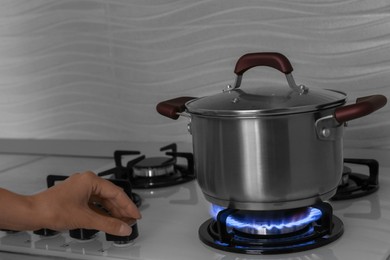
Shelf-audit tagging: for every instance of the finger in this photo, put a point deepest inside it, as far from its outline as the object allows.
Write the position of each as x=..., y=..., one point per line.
x=113, y=196
x=104, y=190
x=109, y=225
x=109, y=207
x=101, y=211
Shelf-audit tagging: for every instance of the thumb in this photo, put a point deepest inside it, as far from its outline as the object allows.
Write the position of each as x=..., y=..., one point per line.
x=110, y=225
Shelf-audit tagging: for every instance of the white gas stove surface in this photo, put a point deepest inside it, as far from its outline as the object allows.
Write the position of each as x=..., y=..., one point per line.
x=171, y=218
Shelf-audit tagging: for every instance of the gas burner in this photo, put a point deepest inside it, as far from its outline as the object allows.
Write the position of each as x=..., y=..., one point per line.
x=154, y=167
x=153, y=172
x=271, y=232
x=269, y=222
x=355, y=185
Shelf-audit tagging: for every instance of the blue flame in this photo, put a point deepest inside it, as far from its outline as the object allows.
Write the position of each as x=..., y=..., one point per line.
x=259, y=223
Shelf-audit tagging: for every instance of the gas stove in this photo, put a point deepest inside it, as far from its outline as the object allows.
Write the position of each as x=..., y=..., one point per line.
x=178, y=223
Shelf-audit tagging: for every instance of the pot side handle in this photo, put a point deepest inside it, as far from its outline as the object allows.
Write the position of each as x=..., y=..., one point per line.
x=270, y=59
x=172, y=107
x=362, y=107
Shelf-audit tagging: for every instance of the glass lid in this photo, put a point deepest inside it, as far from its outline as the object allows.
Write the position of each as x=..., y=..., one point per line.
x=263, y=101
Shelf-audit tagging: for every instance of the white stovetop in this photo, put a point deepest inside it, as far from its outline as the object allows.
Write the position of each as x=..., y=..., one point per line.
x=172, y=216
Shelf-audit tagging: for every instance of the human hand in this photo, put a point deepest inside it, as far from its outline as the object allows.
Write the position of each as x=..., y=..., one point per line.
x=72, y=203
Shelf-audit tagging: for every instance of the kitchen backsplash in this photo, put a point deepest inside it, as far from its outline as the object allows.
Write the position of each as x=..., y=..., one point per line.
x=95, y=69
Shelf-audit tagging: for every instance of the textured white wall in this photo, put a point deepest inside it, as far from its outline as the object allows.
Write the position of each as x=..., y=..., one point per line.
x=95, y=69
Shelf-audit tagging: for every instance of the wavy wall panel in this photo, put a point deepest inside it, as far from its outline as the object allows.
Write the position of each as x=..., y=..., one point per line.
x=95, y=69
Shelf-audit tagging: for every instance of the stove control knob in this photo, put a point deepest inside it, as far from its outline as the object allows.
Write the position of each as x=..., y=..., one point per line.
x=121, y=240
x=45, y=232
x=82, y=233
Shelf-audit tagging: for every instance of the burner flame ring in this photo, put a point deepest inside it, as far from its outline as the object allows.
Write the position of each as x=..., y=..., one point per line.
x=154, y=167
x=269, y=222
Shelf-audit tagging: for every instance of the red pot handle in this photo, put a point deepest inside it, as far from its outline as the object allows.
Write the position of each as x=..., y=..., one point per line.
x=362, y=107
x=172, y=107
x=271, y=59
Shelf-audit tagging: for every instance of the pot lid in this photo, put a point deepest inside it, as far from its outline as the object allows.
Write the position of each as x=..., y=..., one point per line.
x=264, y=101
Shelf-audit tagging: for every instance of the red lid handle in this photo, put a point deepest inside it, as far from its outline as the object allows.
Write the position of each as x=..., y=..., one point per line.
x=362, y=107
x=270, y=59
x=170, y=108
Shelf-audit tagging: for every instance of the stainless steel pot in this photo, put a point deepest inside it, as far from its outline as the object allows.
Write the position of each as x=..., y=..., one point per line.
x=268, y=148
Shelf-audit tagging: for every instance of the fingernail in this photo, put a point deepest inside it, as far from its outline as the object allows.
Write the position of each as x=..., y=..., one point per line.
x=125, y=230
